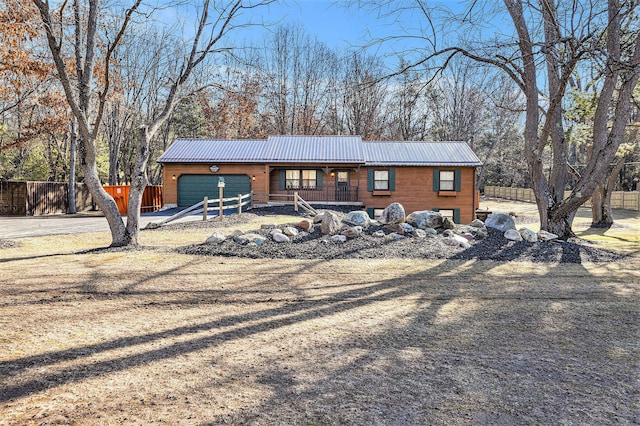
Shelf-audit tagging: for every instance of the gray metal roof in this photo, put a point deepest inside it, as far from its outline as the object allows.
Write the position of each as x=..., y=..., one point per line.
x=419, y=154
x=320, y=149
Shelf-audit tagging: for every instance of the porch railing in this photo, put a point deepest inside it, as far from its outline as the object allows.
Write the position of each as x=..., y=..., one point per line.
x=330, y=194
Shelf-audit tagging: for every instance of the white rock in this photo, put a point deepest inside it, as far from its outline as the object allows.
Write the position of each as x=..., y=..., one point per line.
x=290, y=231
x=379, y=234
x=358, y=218
x=352, y=232
x=546, y=236
x=500, y=221
x=338, y=238
x=393, y=213
x=528, y=235
x=275, y=231
x=425, y=219
x=419, y=233
x=279, y=237
x=216, y=237
x=513, y=235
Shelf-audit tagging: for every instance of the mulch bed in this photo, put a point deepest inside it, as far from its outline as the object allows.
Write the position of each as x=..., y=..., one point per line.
x=318, y=246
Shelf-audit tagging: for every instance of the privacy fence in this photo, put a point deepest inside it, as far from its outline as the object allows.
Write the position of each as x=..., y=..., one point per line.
x=19, y=198
x=619, y=199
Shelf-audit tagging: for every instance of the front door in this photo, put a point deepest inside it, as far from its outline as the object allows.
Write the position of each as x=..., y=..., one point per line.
x=342, y=185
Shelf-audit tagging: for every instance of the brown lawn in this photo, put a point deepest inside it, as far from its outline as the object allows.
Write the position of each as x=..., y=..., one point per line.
x=149, y=336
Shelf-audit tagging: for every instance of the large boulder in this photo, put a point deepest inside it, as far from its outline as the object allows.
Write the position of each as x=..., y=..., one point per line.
x=306, y=224
x=279, y=237
x=290, y=231
x=448, y=223
x=425, y=219
x=352, y=232
x=500, y=221
x=330, y=224
x=245, y=239
x=546, y=236
x=393, y=213
x=528, y=235
x=513, y=235
x=216, y=238
x=358, y=218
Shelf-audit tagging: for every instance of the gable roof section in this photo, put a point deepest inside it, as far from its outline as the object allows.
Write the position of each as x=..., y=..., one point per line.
x=320, y=150
x=419, y=154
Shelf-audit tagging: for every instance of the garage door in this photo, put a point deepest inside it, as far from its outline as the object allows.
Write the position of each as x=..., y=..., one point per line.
x=193, y=188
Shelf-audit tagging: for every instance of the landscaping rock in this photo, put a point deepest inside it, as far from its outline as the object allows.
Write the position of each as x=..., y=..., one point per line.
x=279, y=237
x=379, y=234
x=395, y=236
x=235, y=233
x=395, y=228
x=500, y=221
x=430, y=231
x=406, y=228
x=513, y=235
x=306, y=224
x=268, y=225
x=352, y=232
x=216, y=237
x=528, y=235
x=456, y=241
x=546, y=236
x=419, y=233
x=358, y=218
x=275, y=231
x=477, y=223
x=393, y=213
x=330, y=224
x=290, y=231
x=338, y=238
x=425, y=219
x=244, y=239
x=448, y=223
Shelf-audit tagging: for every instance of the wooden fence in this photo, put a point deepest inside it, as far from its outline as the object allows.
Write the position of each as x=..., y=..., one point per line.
x=619, y=199
x=151, y=198
x=19, y=198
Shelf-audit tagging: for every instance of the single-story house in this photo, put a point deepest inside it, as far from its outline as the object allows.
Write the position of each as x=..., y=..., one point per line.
x=328, y=170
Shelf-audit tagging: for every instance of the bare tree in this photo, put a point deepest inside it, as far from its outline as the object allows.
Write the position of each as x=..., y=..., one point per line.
x=572, y=33
x=87, y=97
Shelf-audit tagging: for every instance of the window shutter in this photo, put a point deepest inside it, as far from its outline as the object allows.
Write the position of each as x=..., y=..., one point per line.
x=456, y=215
x=435, y=209
x=457, y=178
x=392, y=179
x=436, y=180
x=282, y=180
x=370, y=212
x=370, y=180
x=319, y=178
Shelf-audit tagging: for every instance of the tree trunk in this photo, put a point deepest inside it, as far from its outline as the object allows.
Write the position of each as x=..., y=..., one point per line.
x=602, y=213
x=72, y=169
x=138, y=184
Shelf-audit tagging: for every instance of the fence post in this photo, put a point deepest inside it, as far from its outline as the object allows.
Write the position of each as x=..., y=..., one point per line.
x=295, y=201
x=239, y=204
x=205, y=205
x=221, y=202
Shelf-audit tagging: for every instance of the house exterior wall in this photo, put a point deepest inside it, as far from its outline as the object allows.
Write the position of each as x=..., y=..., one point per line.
x=413, y=185
x=171, y=170
x=414, y=190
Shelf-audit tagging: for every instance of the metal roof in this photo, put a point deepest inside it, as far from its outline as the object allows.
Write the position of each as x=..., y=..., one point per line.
x=320, y=149
x=419, y=154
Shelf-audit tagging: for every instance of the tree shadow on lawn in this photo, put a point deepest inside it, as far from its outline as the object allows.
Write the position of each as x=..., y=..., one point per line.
x=433, y=289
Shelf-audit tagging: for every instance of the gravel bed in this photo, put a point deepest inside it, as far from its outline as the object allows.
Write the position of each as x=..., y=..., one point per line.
x=4, y=244
x=318, y=246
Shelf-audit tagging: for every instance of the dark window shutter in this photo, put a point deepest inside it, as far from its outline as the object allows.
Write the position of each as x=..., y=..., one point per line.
x=456, y=215
x=392, y=179
x=435, y=209
x=370, y=180
x=370, y=212
x=436, y=180
x=457, y=178
x=282, y=180
x=319, y=178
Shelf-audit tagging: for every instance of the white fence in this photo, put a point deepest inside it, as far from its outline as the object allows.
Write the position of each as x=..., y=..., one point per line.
x=619, y=199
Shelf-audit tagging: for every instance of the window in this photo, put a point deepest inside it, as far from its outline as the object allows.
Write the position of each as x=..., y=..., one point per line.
x=293, y=179
x=301, y=179
x=309, y=179
x=381, y=180
x=377, y=213
x=447, y=180
x=448, y=213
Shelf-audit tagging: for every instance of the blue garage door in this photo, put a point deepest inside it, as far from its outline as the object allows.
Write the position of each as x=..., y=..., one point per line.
x=193, y=188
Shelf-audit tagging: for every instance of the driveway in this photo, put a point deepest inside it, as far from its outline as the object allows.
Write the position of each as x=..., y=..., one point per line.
x=35, y=226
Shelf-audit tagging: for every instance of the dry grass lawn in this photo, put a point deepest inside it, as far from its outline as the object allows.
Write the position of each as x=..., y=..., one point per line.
x=149, y=336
